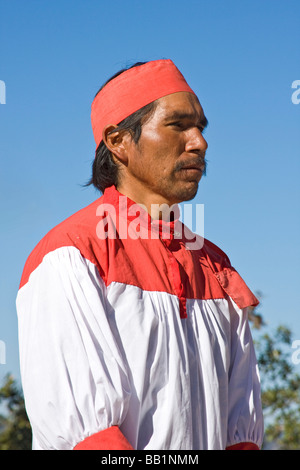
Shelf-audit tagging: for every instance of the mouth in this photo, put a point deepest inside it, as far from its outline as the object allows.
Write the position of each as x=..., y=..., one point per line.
x=195, y=166
x=191, y=174
x=193, y=169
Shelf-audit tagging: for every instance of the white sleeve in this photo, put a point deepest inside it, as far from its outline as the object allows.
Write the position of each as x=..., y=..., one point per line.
x=245, y=418
x=74, y=379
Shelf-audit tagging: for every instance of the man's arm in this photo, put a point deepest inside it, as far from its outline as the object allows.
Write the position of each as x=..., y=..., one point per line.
x=74, y=379
x=245, y=418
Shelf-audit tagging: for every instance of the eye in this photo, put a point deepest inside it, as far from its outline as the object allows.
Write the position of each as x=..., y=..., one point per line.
x=177, y=124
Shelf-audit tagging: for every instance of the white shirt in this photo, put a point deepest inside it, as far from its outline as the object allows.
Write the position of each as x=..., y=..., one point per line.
x=143, y=334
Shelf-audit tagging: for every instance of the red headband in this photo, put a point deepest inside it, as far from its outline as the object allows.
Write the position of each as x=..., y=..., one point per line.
x=133, y=89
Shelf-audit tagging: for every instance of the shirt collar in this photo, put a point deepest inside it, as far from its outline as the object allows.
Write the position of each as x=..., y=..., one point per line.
x=129, y=209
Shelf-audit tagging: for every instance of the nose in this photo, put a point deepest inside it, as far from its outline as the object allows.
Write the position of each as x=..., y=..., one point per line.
x=195, y=141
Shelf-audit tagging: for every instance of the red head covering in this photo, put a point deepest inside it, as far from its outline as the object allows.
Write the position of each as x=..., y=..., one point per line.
x=133, y=89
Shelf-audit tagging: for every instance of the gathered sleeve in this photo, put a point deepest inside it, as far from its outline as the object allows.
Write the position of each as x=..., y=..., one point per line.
x=245, y=418
x=74, y=377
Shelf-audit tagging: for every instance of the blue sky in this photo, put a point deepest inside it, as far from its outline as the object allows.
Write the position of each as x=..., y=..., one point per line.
x=240, y=57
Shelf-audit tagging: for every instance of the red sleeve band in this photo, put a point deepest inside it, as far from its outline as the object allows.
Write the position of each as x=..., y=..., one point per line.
x=243, y=446
x=108, y=439
x=113, y=439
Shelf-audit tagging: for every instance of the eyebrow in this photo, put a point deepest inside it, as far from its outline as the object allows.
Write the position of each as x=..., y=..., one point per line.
x=178, y=115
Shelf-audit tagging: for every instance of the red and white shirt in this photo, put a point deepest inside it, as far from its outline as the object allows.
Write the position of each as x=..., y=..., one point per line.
x=135, y=342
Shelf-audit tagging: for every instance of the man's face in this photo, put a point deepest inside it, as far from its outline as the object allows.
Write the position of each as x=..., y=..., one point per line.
x=167, y=163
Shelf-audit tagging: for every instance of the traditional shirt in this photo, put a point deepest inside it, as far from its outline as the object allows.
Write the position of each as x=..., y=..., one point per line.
x=136, y=341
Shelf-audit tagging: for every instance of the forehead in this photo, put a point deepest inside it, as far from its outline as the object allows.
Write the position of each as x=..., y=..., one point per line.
x=179, y=103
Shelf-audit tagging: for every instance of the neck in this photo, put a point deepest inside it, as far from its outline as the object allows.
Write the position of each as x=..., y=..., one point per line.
x=157, y=206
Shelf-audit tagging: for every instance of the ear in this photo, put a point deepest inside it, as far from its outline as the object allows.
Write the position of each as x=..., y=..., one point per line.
x=117, y=142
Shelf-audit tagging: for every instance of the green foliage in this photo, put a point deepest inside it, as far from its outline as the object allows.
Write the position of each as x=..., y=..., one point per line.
x=280, y=385
x=15, y=430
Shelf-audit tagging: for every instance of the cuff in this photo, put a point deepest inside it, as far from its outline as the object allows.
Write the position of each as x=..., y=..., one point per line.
x=109, y=439
x=243, y=446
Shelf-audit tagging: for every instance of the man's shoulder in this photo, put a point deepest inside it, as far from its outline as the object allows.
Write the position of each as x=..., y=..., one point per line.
x=216, y=254
x=75, y=231
x=227, y=276
x=204, y=248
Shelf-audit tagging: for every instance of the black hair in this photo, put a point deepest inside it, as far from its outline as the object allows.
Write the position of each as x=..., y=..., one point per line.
x=105, y=171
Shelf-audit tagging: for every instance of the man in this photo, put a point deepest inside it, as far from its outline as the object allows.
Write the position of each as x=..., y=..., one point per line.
x=129, y=337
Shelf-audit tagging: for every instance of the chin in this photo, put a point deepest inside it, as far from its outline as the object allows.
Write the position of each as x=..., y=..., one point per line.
x=187, y=193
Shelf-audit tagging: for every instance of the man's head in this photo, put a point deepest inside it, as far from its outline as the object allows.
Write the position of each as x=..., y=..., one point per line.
x=156, y=154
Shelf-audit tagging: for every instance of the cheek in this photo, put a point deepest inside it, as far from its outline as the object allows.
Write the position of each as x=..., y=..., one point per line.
x=158, y=155
x=163, y=165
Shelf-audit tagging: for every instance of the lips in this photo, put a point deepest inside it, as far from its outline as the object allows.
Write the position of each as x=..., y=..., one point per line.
x=199, y=166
